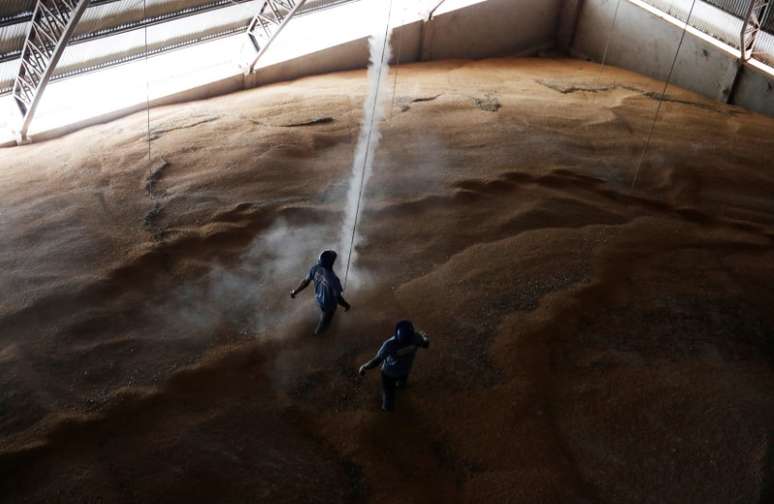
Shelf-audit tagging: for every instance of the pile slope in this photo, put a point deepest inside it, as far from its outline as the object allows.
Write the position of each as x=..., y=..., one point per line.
x=600, y=333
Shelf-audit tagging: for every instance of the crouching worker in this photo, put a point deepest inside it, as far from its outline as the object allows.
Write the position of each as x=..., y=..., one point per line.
x=396, y=357
x=327, y=289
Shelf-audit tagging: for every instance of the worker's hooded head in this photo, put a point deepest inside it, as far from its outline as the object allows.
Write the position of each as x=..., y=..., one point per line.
x=327, y=258
x=404, y=332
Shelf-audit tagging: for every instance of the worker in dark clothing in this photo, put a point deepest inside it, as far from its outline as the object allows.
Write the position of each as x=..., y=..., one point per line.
x=396, y=357
x=327, y=289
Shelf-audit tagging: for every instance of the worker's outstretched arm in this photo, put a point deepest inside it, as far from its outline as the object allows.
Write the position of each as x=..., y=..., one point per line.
x=370, y=365
x=303, y=285
x=380, y=355
x=424, y=341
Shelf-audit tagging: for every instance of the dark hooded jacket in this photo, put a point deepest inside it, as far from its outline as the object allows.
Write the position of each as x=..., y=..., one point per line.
x=396, y=354
x=327, y=286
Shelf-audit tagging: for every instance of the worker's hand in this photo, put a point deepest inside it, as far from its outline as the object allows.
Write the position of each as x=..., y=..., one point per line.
x=293, y=294
x=362, y=370
x=346, y=308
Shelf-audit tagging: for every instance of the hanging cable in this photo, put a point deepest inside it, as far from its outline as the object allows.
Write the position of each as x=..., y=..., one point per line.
x=397, y=66
x=662, y=97
x=605, y=52
x=368, y=146
x=610, y=33
x=603, y=63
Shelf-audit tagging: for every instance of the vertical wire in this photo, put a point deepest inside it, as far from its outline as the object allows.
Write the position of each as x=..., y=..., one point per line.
x=367, y=147
x=147, y=86
x=662, y=97
x=610, y=33
x=605, y=52
x=397, y=69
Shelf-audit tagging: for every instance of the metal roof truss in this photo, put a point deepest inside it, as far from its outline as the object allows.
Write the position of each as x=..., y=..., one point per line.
x=752, y=26
x=52, y=25
x=271, y=18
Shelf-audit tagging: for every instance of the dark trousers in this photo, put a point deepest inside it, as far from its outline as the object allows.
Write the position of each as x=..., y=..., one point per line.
x=389, y=385
x=326, y=317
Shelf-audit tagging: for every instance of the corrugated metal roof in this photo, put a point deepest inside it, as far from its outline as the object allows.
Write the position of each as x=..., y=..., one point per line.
x=123, y=14
x=10, y=9
x=113, y=31
x=768, y=18
x=736, y=7
x=12, y=39
x=128, y=45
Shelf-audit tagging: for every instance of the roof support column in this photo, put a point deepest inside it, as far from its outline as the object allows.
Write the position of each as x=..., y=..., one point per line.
x=52, y=25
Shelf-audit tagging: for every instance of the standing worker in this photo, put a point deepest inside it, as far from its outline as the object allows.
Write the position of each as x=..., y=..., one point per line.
x=327, y=289
x=396, y=357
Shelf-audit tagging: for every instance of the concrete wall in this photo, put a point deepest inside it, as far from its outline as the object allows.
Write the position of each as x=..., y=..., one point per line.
x=647, y=43
x=755, y=91
x=490, y=28
x=348, y=56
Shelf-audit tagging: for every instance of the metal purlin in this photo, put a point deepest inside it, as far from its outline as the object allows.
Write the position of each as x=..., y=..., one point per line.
x=611, y=32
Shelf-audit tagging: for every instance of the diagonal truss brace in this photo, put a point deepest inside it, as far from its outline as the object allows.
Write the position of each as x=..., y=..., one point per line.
x=272, y=17
x=52, y=24
x=752, y=26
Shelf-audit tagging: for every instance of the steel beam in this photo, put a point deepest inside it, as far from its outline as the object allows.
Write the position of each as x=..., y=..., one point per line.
x=52, y=25
x=751, y=27
x=268, y=22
